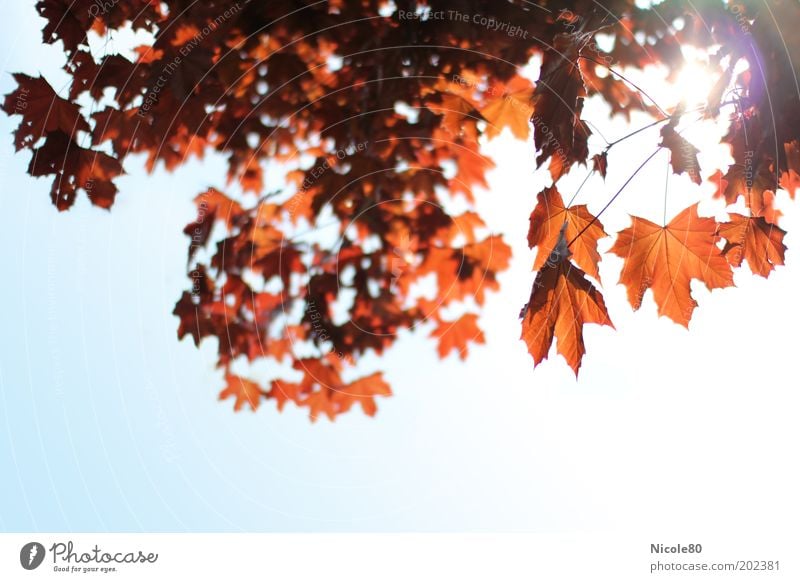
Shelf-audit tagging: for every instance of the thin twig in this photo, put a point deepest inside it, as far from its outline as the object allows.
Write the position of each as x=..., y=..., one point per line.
x=624, y=78
x=614, y=197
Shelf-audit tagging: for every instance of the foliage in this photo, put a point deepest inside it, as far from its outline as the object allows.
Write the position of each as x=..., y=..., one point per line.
x=377, y=112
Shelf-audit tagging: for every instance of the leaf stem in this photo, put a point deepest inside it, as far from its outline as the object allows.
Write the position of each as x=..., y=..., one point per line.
x=657, y=121
x=614, y=197
x=586, y=179
x=666, y=189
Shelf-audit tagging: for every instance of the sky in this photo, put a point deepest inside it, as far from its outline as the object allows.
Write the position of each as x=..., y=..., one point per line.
x=109, y=423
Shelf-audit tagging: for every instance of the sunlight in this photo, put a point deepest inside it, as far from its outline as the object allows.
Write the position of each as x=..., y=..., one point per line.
x=694, y=84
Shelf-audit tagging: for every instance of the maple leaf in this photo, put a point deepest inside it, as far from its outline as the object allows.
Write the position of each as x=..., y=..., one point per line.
x=284, y=392
x=465, y=225
x=455, y=335
x=562, y=160
x=756, y=185
x=558, y=98
x=562, y=302
x=363, y=392
x=666, y=259
x=455, y=111
x=320, y=403
x=600, y=164
x=67, y=20
x=546, y=221
x=75, y=168
x=753, y=239
x=790, y=179
x=683, y=155
x=42, y=110
x=245, y=391
x=509, y=106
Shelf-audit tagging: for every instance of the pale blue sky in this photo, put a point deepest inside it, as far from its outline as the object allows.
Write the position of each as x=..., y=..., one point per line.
x=107, y=422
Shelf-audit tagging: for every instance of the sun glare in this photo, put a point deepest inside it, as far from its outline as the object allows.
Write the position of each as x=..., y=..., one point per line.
x=694, y=84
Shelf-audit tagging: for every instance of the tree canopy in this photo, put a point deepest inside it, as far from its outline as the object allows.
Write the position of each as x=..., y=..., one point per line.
x=377, y=112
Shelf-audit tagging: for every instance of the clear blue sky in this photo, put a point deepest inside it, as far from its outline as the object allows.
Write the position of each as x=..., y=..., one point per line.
x=107, y=422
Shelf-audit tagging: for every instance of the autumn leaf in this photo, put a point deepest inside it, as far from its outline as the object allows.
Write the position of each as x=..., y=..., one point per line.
x=465, y=225
x=456, y=335
x=756, y=185
x=320, y=403
x=562, y=160
x=42, y=110
x=245, y=391
x=562, y=302
x=667, y=258
x=509, y=106
x=600, y=164
x=558, y=98
x=363, y=392
x=546, y=221
x=283, y=392
x=753, y=239
x=454, y=110
x=75, y=168
x=683, y=155
x=790, y=179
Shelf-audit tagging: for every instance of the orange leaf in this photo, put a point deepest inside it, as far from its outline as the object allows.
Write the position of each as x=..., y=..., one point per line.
x=666, y=259
x=562, y=302
x=454, y=109
x=363, y=392
x=790, y=179
x=245, y=392
x=511, y=108
x=683, y=155
x=320, y=403
x=757, y=187
x=455, y=335
x=546, y=222
x=753, y=239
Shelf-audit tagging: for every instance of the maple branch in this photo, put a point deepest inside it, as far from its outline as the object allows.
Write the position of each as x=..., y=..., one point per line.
x=624, y=78
x=637, y=131
x=666, y=190
x=614, y=197
x=661, y=120
x=586, y=179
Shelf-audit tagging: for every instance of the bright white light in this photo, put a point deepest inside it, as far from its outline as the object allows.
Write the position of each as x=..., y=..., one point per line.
x=694, y=84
